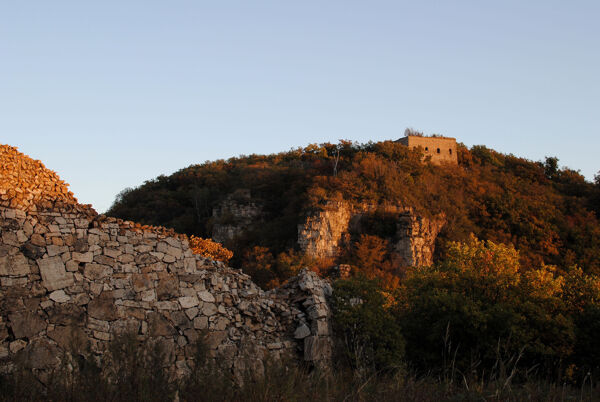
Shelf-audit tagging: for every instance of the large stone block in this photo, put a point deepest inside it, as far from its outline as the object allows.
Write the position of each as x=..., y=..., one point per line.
x=26, y=324
x=95, y=272
x=103, y=309
x=14, y=265
x=54, y=274
x=69, y=314
x=316, y=349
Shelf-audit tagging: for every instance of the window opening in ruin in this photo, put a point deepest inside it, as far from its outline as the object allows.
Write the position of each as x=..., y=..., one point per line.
x=451, y=152
x=438, y=151
x=426, y=148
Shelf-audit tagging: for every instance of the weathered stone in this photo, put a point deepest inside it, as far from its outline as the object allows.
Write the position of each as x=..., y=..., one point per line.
x=159, y=325
x=148, y=295
x=179, y=319
x=125, y=258
x=191, y=335
x=32, y=251
x=174, y=252
x=105, y=260
x=59, y=296
x=26, y=324
x=320, y=235
x=83, y=257
x=167, y=305
x=94, y=272
x=4, y=350
x=17, y=345
x=214, y=339
x=201, y=322
x=126, y=326
x=69, y=338
x=302, y=332
x=221, y=324
x=188, y=301
x=54, y=274
x=41, y=354
x=145, y=258
x=14, y=265
x=80, y=245
x=38, y=240
x=192, y=312
x=141, y=282
x=167, y=288
x=112, y=252
x=102, y=309
x=98, y=325
x=209, y=309
x=206, y=296
x=68, y=314
x=316, y=348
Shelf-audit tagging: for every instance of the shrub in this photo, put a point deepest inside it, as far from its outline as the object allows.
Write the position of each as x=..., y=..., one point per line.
x=369, y=334
x=210, y=249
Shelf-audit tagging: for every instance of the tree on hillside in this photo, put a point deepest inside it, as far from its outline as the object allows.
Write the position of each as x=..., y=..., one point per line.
x=479, y=298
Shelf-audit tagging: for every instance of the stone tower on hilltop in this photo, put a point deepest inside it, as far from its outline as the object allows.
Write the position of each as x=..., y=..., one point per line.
x=442, y=150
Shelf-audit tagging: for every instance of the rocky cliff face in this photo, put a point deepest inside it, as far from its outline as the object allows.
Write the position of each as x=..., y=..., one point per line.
x=320, y=235
x=416, y=238
x=67, y=273
x=414, y=241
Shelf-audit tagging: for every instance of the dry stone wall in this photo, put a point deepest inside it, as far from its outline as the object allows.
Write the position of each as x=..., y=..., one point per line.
x=70, y=276
x=26, y=184
x=234, y=215
x=63, y=275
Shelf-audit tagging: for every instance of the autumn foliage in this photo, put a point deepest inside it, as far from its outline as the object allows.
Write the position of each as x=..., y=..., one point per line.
x=476, y=307
x=210, y=249
x=547, y=212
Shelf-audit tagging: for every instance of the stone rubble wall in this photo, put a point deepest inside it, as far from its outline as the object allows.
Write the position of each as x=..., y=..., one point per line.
x=233, y=216
x=27, y=185
x=67, y=276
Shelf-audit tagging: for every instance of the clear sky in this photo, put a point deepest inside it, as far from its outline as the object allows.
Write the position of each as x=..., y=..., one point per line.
x=112, y=93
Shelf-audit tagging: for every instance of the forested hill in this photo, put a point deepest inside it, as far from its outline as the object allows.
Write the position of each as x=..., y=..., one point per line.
x=550, y=214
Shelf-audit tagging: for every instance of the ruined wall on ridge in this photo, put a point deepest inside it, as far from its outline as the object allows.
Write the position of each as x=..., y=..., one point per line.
x=67, y=273
x=62, y=275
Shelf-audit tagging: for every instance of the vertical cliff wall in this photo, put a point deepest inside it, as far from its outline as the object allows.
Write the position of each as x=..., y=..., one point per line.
x=320, y=236
x=416, y=238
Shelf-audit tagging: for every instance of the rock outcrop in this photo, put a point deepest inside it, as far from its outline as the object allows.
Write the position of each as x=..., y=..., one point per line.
x=416, y=238
x=68, y=274
x=320, y=235
x=323, y=232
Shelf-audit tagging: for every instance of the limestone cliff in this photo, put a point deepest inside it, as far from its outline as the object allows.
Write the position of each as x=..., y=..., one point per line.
x=416, y=238
x=322, y=233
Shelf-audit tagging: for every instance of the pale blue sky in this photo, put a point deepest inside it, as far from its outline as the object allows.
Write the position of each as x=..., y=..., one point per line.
x=112, y=93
